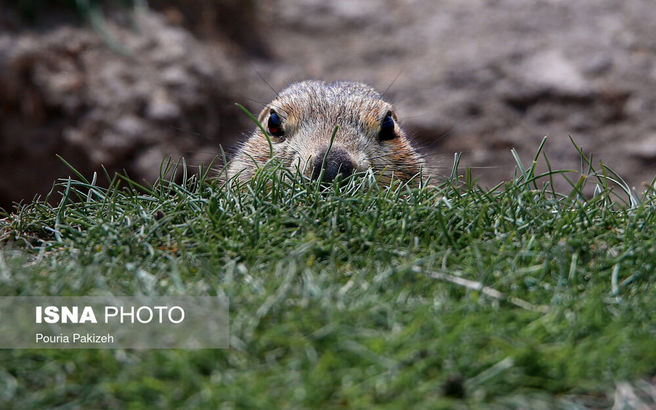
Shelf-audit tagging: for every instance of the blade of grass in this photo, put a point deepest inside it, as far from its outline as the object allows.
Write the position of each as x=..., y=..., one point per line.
x=255, y=120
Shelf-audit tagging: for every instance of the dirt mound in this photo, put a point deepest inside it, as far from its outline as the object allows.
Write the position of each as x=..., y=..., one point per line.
x=65, y=91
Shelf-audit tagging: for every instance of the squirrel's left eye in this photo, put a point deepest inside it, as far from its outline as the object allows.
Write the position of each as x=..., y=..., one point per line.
x=274, y=126
x=387, y=128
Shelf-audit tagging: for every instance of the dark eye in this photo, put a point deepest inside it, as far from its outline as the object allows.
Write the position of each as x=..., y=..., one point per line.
x=274, y=126
x=387, y=128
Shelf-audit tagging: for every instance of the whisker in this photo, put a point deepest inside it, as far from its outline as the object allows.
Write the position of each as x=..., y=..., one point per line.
x=392, y=83
x=267, y=83
x=260, y=103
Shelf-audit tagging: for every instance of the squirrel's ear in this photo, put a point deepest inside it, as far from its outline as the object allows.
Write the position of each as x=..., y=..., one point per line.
x=263, y=114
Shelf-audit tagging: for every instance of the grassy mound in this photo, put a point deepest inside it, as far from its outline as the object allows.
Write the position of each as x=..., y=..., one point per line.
x=350, y=296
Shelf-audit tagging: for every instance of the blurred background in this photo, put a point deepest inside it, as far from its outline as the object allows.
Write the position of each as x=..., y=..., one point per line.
x=124, y=84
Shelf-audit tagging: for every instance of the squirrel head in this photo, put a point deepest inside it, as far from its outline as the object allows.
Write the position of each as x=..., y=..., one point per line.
x=326, y=129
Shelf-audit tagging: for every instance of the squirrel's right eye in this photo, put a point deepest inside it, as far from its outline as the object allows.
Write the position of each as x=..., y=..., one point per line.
x=387, y=131
x=274, y=126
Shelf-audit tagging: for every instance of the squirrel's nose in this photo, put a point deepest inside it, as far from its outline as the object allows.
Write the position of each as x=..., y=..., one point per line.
x=336, y=162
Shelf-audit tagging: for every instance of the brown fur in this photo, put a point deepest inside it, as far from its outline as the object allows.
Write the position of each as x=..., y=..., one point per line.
x=310, y=111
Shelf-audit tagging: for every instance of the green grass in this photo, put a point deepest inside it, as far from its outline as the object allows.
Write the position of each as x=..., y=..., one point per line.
x=90, y=10
x=33, y=12
x=354, y=296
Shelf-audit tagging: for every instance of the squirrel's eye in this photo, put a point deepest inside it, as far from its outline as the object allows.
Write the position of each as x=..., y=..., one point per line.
x=274, y=126
x=387, y=128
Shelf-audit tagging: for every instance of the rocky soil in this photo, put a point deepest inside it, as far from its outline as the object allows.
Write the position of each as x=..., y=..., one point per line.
x=476, y=76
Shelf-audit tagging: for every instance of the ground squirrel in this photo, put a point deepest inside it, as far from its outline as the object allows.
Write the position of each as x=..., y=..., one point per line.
x=301, y=122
